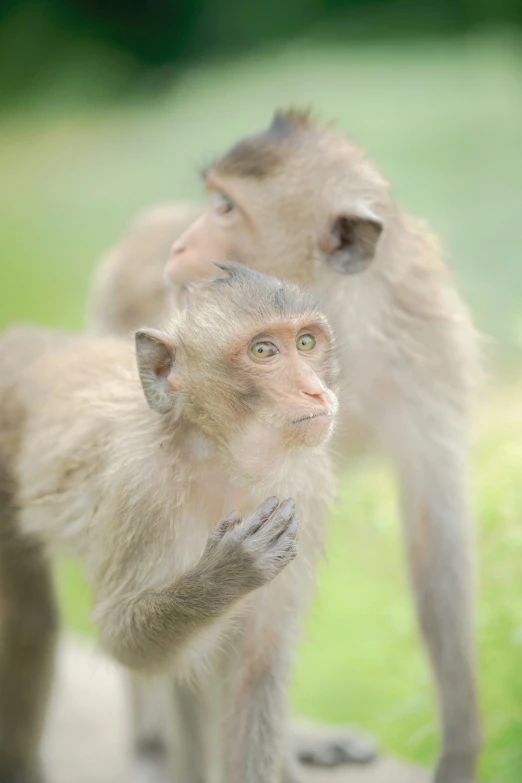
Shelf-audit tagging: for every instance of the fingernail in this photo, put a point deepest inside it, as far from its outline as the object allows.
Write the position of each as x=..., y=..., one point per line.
x=233, y=518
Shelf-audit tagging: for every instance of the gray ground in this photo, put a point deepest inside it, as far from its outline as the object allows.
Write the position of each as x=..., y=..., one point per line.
x=87, y=734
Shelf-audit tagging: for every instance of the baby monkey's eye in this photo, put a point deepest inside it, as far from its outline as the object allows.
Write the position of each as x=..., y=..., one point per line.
x=221, y=203
x=263, y=350
x=306, y=342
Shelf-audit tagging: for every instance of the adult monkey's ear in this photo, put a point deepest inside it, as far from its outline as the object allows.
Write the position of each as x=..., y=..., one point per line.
x=350, y=240
x=160, y=378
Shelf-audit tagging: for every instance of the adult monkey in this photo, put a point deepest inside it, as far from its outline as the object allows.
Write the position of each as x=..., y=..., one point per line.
x=304, y=197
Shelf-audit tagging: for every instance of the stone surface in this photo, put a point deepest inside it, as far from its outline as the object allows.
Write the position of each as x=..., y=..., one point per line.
x=384, y=771
x=87, y=735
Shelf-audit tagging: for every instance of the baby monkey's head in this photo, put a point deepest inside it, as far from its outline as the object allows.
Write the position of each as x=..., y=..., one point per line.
x=248, y=352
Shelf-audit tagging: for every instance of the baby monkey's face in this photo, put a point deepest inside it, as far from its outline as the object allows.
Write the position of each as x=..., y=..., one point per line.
x=250, y=357
x=286, y=367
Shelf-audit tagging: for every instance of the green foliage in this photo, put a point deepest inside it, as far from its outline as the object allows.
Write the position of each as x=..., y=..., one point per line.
x=127, y=46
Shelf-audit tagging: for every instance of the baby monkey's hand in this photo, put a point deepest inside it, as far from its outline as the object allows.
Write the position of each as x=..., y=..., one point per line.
x=244, y=554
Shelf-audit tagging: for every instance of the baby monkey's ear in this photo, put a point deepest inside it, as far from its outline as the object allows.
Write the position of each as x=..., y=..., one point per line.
x=159, y=375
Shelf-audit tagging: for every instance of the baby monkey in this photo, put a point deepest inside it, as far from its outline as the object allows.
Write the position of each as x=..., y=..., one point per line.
x=130, y=460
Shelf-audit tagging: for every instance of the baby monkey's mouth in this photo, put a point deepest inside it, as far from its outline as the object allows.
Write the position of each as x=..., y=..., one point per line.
x=309, y=417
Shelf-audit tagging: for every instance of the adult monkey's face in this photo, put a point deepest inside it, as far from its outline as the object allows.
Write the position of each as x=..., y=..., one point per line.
x=295, y=201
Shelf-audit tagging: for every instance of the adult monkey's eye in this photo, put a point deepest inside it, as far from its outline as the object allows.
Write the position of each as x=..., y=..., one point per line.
x=263, y=350
x=221, y=203
x=306, y=342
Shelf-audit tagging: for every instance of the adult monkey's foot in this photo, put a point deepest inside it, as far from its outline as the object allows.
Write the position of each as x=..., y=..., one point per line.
x=331, y=746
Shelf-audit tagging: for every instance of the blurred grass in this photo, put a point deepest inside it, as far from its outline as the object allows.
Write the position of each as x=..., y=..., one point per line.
x=444, y=121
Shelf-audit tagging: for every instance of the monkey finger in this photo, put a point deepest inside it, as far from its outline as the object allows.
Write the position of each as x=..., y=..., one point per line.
x=293, y=526
x=283, y=513
x=286, y=531
x=287, y=539
x=262, y=514
x=280, y=520
x=289, y=552
x=233, y=519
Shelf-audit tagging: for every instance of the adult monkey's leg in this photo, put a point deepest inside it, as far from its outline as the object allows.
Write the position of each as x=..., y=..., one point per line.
x=431, y=454
x=151, y=719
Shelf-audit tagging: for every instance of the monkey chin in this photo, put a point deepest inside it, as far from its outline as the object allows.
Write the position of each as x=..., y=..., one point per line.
x=311, y=430
x=262, y=445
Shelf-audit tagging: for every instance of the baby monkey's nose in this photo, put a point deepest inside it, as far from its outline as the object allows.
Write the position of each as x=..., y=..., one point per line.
x=315, y=395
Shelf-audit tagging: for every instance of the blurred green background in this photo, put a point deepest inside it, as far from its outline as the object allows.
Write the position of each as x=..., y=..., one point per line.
x=108, y=107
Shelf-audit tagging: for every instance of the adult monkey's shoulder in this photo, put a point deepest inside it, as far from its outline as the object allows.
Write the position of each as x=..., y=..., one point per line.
x=128, y=290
